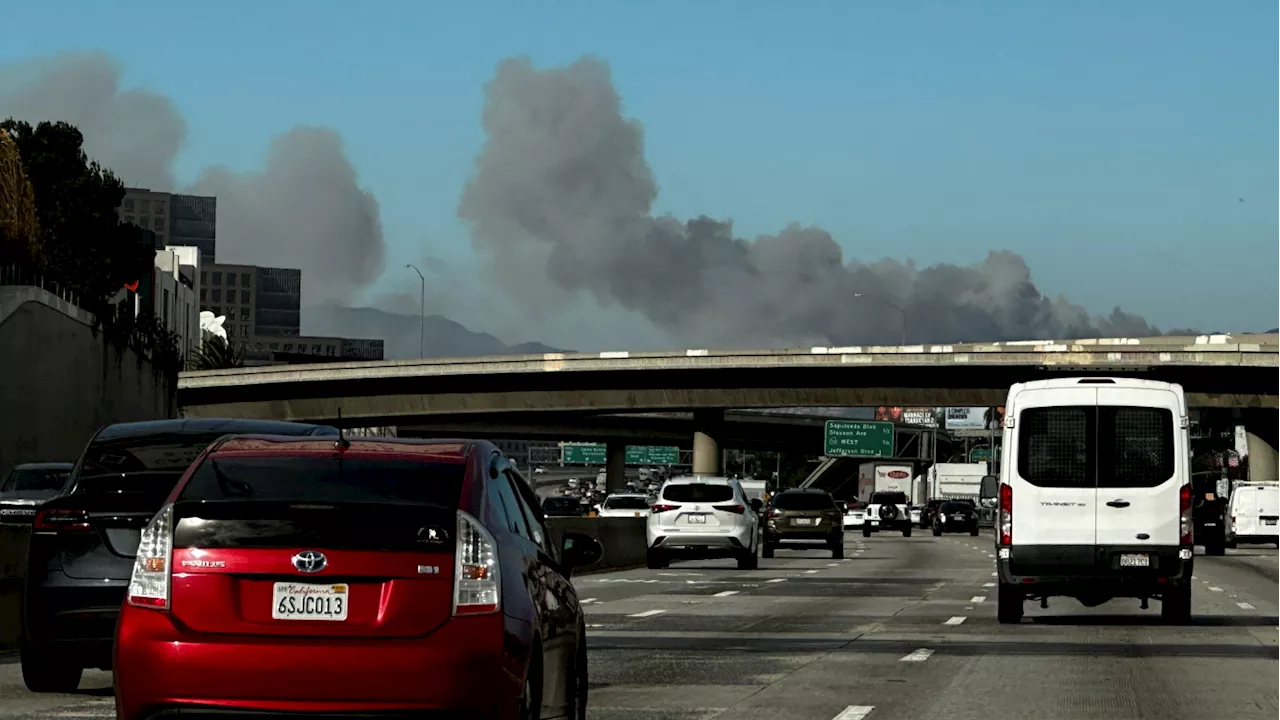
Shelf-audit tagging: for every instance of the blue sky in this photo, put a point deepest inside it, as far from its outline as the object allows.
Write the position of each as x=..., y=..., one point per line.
x=1108, y=143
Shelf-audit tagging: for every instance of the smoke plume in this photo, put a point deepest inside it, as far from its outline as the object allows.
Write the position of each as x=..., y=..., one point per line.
x=304, y=209
x=562, y=181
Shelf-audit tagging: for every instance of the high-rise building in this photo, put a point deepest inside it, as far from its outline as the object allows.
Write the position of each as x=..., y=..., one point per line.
x=148, y=210
x=184, y=220
x=258, y=301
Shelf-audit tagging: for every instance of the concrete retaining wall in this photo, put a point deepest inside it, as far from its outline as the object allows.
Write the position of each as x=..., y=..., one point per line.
x=623, y=539
x=60, y=383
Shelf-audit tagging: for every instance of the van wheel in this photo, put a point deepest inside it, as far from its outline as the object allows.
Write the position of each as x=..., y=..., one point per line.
x=656, y=560
x=767, y=550
x=1215, y=548
x=1009, y=600
x=1175, y=606
x=748, y=560
x=44, y=674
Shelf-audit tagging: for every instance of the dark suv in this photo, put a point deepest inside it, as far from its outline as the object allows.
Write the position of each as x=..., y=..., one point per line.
x=804, y=516
x=956, y=516
x=83, y=541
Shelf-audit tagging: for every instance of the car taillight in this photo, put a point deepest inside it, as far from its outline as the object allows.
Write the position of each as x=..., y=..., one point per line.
x=476, y=579
x=663, y=508
x=152, y=566
x=55, y=520
x=1184, y=509
x=775, y=512
x=736, y=509
x=1006, y=514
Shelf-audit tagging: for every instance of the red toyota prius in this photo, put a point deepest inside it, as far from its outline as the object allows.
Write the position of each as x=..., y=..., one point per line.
x=361, y=577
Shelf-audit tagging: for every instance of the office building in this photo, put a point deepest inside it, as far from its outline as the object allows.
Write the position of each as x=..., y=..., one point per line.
x=183, y=220
x=148, y=210
x=258, y=301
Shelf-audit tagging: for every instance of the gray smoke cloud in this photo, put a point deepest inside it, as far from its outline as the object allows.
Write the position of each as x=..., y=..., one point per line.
x=562, y=191
x=304, y=209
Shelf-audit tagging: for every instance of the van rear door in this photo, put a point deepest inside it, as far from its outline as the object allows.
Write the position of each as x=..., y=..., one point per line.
x=1141, y=466
x=1050, y=468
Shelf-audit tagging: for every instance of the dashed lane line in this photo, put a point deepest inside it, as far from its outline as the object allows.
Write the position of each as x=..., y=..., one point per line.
x=988, y=584
x=1244, y=606
x=955, y=620
x=777, y=580
x=810, y=572
x=978, y=598
x=916, y=655
x=586, y=601
x=725, y=593
x=855, y=712
x=647, y=613
x=1214, y=589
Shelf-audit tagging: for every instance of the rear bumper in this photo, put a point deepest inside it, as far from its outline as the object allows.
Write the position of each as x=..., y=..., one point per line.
x=1081, y=570
x=681, y=537
x=460, y=670
x=822, y=534
x=878, y=524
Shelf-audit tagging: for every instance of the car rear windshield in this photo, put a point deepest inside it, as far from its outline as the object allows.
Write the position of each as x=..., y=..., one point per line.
x=955, y=507
x=803, y=501
x=1087, y=447
x=149, y=464
x=697, y=493
x=626, y=503
x=35, y=479
x=326, y=479
x=561, y=503
x=889, y=498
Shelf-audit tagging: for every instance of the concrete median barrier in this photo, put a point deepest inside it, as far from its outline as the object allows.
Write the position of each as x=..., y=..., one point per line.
x=623, y=539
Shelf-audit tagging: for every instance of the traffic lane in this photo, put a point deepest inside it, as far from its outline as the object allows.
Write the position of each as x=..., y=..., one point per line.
x=93, y=699
x=675, y=649
x=913, y=645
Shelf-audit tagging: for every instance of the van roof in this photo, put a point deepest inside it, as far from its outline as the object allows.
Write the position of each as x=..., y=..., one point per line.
x=1118, y=382
x=703, y=479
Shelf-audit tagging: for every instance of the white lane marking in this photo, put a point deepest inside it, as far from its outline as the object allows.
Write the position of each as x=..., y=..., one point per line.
x=988, y=584
x=917, y=656
x=585, y=601
x=647, y=613
x=978, y=599
x=1245, y=606
x=1195, y=577
x=993, y=574
x=955, y=620
x=725, y=593
x=835, y=564
x=855, y=712
x=968, y=607
x=775, y=580
x=810, y=572
x=1215, y=589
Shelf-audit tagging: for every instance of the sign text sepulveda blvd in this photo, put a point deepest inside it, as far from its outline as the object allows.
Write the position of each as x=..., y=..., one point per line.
x=854, y=438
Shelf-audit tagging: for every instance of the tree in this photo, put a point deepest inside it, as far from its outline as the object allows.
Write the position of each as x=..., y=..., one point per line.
x=83, y=246
x=216, y=353
x=19, y=230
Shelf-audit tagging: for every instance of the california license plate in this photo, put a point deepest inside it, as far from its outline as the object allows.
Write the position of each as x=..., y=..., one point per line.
x=804, y=521
x=698, y=518
x=1135, y=560
x=298, y=601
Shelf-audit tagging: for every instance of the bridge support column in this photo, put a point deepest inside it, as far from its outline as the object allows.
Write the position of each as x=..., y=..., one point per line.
x=615, y=469
x=706, y=449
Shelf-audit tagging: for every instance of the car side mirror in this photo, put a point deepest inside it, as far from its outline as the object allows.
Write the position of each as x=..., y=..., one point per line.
x=990, y=488
x=579, y=550
x=756, y=504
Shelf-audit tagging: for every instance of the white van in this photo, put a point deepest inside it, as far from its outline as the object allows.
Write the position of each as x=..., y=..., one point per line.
x=1255, y=512
x=1095, y=495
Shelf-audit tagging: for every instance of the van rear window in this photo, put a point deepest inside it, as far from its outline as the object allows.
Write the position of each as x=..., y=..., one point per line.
x=1086, y=447
x=326, y=479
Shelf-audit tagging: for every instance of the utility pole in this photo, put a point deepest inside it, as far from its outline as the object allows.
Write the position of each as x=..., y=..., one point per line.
x=422, y=314
x=892, y=305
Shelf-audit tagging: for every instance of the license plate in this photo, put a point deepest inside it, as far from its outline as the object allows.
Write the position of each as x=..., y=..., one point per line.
x=1135, y=560
x=698, y=519
x=804, y=521
x=298, y=601
x=1269, y=522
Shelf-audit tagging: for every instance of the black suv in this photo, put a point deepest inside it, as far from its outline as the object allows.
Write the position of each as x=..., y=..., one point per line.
x=956, y=516
x=83, y=541
x=804, y=516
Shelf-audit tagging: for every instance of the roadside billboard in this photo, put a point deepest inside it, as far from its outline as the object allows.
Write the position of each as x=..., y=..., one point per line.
x=974, y=418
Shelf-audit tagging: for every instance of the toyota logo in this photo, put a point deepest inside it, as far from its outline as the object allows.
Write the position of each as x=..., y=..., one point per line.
x=310, y=561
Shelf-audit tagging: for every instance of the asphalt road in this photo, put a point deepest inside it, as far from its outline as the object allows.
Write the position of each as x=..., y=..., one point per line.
x=904, y=628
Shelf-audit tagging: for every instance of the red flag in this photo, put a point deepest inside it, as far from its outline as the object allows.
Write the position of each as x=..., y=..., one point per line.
x=132, y=287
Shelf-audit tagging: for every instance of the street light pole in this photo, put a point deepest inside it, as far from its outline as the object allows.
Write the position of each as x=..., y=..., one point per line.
x=892, y=305
x=422, y=313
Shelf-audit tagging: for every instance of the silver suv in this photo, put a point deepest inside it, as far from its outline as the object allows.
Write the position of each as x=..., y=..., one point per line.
x=703, y=517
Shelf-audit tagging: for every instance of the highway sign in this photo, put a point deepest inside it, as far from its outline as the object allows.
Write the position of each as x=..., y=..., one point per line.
x=598, y=454
x=982, y=453
x=583, y=454
x=854, y=438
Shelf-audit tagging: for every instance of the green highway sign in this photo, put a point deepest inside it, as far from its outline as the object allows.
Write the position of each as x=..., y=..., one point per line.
x=598, y=454
x=858, y=438
x=982, y=453
x=583, y=454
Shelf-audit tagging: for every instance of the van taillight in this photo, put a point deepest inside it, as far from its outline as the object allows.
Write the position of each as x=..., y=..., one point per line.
x=477, y=588
x=1184, y=513
x=152, y=566
x=57, y=520
x=1006, y=514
